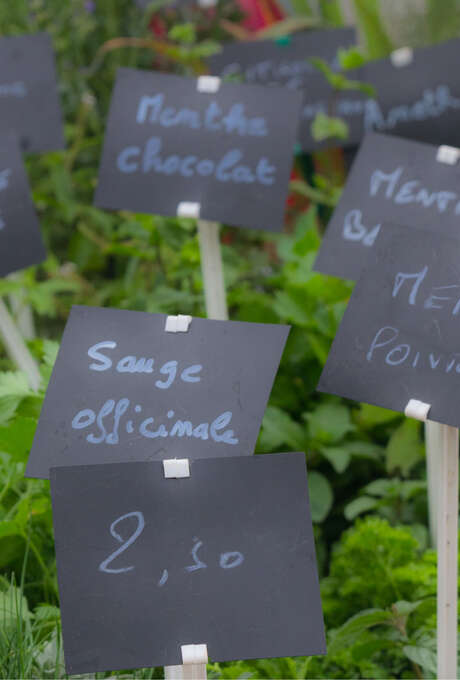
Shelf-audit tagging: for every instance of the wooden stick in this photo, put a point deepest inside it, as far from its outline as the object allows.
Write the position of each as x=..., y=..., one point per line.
x=213, y=275
x=22, y=312
x=186, y=672
x=447, y=552
x=17, y=349
x=432, y=445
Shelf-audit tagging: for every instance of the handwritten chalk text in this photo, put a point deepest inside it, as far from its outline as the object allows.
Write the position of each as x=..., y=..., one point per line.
x=228, y=169
x=114, y=412
x=152, y=110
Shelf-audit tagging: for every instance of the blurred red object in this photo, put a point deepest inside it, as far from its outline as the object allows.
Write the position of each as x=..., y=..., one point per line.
x=260, y=13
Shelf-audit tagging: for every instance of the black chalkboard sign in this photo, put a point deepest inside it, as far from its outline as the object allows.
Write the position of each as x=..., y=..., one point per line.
x=286, y=63
x=124, y=389
x=21, y=243
x=224, y=557
x=420, y=101
x=392, y=179
x=399, y=337
x=283, y=62
x=29, y=100
x=230, y=151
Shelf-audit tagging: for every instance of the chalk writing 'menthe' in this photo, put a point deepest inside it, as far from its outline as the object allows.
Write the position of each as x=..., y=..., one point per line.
x=152, y=110
x=412, y=192
x=407, y=286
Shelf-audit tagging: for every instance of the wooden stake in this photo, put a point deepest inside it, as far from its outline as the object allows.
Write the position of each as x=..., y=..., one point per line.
x=22, y=312
x=432, y=445
x=17, y=349
x=186, y=672
x=213, y=275
x=447, y=468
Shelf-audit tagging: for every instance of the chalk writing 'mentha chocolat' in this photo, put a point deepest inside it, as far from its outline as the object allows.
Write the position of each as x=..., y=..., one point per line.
x=394, y=180
x=124, y=389
x=230, y=151
x=399, y=338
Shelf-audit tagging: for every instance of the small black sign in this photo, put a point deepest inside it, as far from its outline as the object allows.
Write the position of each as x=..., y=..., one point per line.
x=394, y=180
x=399, y=338
x=286, y=63
x=21, y=243
x=282, y=62
x=124, y=389
x=420, y=100
x=224, y=557
x=29, y=100
x=230, y=151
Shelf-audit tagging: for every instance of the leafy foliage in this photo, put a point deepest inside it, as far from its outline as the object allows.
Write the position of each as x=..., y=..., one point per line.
x=377, y=574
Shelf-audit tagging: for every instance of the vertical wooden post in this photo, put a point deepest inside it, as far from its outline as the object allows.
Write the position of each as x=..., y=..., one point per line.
x=432, y=445
x=447, y=546
x=213, y=274
x=16, y=347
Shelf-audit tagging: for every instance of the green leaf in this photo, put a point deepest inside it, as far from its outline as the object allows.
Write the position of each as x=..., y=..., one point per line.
x=351, y=58
x=13, y=609
x=338, y=457
x=370, y=416
x=16, y=438
x=279, y=429
x=358, y=506
x=321, y=496
x=325, y=127
x=405, y=447
x=14, y=387
x=345, y=636
x=329, y=423
x=423, y=656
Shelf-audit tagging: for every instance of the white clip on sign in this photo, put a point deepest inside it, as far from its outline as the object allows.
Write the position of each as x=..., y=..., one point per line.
x=417, y=410
x=178, y=324
x=176, y=468
x=448, y=155
x=402, y=57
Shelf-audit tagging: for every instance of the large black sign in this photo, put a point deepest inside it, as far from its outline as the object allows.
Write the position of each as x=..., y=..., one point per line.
x=29, y=100
x=399, y=338
x=395, y=180
x=230, y=151
x=124, y=388
x=224, y=557
x=21, y=243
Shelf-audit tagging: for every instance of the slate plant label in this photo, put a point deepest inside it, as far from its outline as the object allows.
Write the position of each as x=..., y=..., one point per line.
x=230, y=151
x=125, y=389
x=420, y=101
x=392, y=180
x=225, y=557
x=399, y=337
x=29, y=99
x=21, y=243
x=287, y=64
x=277, y=63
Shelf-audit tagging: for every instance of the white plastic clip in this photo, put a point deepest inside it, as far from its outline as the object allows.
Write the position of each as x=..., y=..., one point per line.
x=208, y=84
x=188, y=209
x=402, y=57
x=207, y=3
x=178, y=324
x=194, y=654
x=417, y=410
x=448, y=154
x=176, y=468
